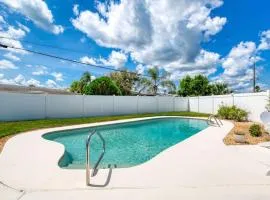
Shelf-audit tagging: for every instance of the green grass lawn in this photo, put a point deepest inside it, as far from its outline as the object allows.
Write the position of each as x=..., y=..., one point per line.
x=11, y=128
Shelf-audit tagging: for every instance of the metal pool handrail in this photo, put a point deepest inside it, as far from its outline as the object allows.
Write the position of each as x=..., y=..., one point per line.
x=217, y=120
x=88, y=155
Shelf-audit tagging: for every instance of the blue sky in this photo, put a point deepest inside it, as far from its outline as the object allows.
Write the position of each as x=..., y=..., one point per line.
x=220, y=39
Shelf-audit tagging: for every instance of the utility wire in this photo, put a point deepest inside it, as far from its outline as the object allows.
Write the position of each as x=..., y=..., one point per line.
x=68, y=59
x=42, y=45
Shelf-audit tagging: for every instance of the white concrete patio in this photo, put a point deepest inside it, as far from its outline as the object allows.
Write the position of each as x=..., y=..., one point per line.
x=201, y=167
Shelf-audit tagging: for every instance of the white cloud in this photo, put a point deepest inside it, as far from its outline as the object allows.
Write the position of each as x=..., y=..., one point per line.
x=76, y=10
x=88, y=60
x=37, y=11
x=238, y=66
x=39, y=72
x=12, y=32
x=6, y=64
x=2, y=20
x=116, y=59
x=51, y=84
x=157, y=33
x=11, y=56
x=265, y=41
x=240, y=58
x=25, y=28
x=33, y=82
x=20, y=80
x=198, y=18
x=57, y=76
x=205, y=63
x=140, y=69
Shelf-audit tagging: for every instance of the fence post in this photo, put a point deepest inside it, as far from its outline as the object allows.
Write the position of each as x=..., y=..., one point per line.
x=83, y=109
x=113, y=105
x=173, y=104
x=233, y=99
x=188, y=109
x=198, y=104
x=45, y=106
x=157, y=101
x=213, y=104
x=137, y=104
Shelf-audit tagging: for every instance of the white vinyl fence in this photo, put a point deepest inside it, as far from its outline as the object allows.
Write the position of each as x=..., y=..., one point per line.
x=254, y=103
x=19, y=106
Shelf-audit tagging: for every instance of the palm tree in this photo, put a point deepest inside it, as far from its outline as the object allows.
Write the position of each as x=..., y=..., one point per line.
x=86, y=78
x=84, y=81
x=79, y=86
x=157, y=79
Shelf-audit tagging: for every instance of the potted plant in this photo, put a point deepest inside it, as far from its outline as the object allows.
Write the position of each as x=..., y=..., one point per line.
x=265, y=116
x=239, y=137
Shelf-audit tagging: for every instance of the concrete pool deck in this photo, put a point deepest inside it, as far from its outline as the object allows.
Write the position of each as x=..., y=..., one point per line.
x=201, y=166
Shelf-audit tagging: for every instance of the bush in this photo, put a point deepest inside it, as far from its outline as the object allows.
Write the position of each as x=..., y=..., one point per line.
x=232, y=113
x=255, y=130
x=102, y=86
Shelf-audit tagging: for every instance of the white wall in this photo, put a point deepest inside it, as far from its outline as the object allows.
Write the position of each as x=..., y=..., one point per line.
x=18, y=106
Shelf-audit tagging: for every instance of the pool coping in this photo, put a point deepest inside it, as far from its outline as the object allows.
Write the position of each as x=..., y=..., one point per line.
x=41, y=160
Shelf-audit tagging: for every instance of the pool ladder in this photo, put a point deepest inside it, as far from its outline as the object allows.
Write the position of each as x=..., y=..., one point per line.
x=95, y=169
x=213, y=120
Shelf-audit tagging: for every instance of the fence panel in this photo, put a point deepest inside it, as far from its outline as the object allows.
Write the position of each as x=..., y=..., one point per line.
x=206, y=104
x=181, y=104
x=64, y=106
x=18, y=106
x=125, y=105
x=253, y=103
x=193, y=104
x=147, y=104
x=165, y=104
x=98, y=105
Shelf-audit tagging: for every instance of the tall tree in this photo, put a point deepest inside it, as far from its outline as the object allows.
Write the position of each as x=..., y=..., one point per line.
x=125, y=81
x=200, y=86
x=74, y=87
x=79, y=86
x=185, y=86
x=102, y=86
x=156, y=80
x=219, y=89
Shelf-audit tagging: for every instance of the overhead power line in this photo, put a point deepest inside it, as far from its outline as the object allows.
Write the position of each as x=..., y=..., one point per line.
x=43, y=45
x=68, y=59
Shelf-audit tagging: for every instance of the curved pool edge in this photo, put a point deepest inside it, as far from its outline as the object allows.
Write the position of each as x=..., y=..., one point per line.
x=51, y=152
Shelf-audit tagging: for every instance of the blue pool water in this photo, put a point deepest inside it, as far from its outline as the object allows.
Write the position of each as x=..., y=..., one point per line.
x=127, y=144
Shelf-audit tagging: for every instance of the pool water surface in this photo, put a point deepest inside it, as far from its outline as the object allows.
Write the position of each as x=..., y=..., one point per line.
x=127, y=144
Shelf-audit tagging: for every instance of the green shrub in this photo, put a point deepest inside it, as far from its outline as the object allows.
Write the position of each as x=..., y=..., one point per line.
x=232, y=113
x=255, y=130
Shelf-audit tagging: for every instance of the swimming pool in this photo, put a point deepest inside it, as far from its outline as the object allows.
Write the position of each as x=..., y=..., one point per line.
x=127, y=144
